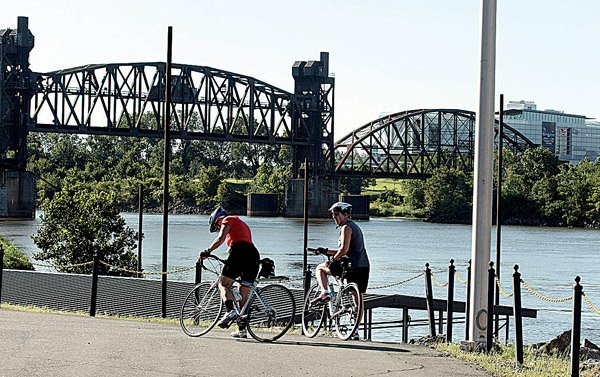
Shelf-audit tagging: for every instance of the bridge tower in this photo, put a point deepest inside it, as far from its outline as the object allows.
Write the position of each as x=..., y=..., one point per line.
x=17, y=86
x=314, y=94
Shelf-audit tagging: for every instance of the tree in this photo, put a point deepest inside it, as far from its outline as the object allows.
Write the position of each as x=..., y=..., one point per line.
x=13, y=258
x=449, y=196
x=74, y=226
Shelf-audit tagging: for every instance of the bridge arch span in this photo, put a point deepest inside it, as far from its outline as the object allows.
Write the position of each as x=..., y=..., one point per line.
x=411, y=144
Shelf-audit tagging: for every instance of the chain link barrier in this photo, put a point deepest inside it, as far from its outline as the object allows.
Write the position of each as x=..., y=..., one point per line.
x=545, y=298
x=589, y=303
x=437, y=282
x=398, y=283
x=459, y=278
x=501, y=289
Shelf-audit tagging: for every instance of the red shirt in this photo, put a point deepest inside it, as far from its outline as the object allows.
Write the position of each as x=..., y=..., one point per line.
x=238, y=230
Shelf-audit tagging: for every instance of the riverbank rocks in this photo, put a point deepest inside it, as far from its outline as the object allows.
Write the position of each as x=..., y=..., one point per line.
x=561, y=345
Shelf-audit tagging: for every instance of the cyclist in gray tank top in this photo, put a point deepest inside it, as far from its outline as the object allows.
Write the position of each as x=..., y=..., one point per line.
x=351, y=245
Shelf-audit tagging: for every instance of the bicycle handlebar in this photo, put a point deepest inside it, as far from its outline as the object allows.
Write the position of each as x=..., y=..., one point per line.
x=318, y=250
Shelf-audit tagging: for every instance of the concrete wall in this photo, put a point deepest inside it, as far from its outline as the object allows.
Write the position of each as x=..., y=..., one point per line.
x=262, y=204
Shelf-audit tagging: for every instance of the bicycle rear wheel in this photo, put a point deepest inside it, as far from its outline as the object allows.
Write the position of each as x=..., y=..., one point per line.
x=348, y=311
x=313, y=315
x=271, y=313
x=201, y=309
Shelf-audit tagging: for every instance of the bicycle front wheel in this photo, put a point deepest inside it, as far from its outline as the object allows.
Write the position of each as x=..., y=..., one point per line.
x=201, y=309
x=313, y=315
x=348, y=311
x=271, y=313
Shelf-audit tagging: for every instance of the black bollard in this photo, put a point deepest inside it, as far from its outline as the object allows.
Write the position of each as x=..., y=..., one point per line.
x=490, y=307
x=576, y=330
x=198, y=277
x=517, y=314
x=1, y=268
x=307, y=279
x=429, y=297
x=94, y=286
x=468, y=302
x=450, y=307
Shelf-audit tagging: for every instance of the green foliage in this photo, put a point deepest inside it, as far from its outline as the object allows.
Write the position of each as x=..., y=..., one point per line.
x=354, y=186
x=231, y=198
x=390, y=196
x=77, y=225
x=448, y=196
x=13, y=258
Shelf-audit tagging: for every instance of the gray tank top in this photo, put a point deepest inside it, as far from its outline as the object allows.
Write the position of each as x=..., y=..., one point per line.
x=357, y=251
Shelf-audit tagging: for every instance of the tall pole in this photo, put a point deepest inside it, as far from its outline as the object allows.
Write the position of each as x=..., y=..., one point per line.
x=483, y=179
x=305, y=260
x=140, y=227
x=167, y=125
x=498, y=210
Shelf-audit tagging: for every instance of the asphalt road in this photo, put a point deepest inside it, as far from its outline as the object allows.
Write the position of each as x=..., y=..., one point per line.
x=42, y=344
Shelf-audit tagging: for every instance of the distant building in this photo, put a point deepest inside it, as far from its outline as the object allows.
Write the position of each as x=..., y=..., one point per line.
x=571, y=137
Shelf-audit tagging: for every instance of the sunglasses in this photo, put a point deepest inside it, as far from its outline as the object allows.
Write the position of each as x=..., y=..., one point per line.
x=335, y=214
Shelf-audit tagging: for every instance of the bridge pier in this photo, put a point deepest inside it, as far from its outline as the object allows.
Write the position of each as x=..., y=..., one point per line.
x=322, y=193
x=17, y=195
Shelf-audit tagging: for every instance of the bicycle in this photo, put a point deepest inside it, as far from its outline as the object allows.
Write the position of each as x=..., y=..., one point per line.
x=344, y=308
x=267, y=314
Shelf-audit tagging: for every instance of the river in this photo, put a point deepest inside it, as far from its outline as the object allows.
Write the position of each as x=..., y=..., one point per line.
x=549, y=260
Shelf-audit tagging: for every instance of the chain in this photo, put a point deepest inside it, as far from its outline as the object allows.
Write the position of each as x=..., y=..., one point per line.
x=437, y=282
x=463, y=282
x=504, y=293
x=55, y=266
x=398, y=283
x=589, y=304
x=147, y=273
x=539, y=295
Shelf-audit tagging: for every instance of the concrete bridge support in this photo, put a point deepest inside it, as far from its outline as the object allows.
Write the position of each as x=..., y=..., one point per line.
x=322, y=192
x=17, y=195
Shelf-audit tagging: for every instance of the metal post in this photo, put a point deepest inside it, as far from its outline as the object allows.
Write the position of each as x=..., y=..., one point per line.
x=1, y=268
x=576, y=329
x=483, y=178
x=468, y=302
x=167, y=156
x=518, y=317
x=490, y=307
x=140, y=232
x=450, y=305
x=307, y=273
x=498, y=210
x=198, y=277
x=429, y=298
x=405, y=320
x=94, y=285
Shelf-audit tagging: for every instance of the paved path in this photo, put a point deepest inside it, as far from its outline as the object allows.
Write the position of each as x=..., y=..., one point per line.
x=42, y=344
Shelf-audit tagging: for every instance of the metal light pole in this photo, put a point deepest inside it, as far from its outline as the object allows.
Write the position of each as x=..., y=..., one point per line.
x=167, y=156
x=483, y=180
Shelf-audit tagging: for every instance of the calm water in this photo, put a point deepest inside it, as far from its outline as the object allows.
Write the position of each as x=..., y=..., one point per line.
x=549, y=260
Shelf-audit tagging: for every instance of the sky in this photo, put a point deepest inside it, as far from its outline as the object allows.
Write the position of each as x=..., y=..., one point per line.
x=387, y=56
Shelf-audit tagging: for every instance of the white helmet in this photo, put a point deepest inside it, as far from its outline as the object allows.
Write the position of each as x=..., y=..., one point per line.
x=342, y=207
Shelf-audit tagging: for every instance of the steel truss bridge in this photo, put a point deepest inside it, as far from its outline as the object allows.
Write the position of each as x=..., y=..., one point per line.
x=411, y=144
x=211, y=104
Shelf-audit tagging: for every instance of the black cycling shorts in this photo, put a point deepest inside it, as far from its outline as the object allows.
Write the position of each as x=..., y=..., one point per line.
x=243, y=262
x=360, y=276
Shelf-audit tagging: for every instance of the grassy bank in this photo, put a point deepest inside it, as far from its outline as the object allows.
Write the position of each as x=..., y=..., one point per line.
x=502, y=362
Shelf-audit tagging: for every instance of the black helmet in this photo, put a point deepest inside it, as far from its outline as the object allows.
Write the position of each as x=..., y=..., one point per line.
x=212, y=221
x=342, y=207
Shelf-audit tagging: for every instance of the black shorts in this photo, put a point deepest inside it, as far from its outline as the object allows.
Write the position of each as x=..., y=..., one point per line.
x=360, y=276
x=243, y=262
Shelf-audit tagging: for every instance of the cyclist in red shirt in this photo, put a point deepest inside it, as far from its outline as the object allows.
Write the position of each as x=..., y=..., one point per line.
x=243, y=261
